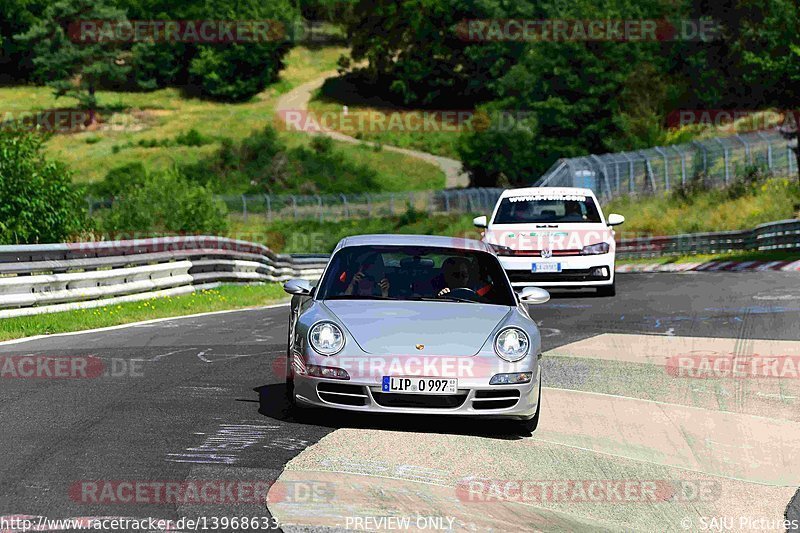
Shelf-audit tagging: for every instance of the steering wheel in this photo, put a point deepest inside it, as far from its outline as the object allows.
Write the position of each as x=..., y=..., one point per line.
x=461, y=292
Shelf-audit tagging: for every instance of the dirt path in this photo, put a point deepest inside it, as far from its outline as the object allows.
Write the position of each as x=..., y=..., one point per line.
x=297, y=100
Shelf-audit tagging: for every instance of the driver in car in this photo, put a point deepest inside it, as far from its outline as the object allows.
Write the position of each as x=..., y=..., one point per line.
x=457, y=274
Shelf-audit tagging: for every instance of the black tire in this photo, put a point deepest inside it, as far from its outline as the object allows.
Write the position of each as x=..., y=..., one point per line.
x=608, y=290
x=530, y=425
x=291, y=401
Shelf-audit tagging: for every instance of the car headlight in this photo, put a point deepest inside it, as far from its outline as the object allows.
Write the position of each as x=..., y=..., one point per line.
x=326, y=338
x=512, y=344
x=596, y=249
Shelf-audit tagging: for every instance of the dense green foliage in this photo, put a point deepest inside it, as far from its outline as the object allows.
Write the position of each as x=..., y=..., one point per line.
x=74, y=69
x=578, y=97
x=263, y=163
x=164, y=202
x=38, y=41
x=38, y=202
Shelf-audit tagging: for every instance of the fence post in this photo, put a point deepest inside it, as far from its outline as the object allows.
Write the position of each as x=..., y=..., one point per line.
x=244, y=207
x=346, y=206
x=725, y=156
x=630, y=171
x=294, y=206
x=91, y=204
x=683, y=164
x=769, y=149
x=666, y=166
x=268, y=203
x=790, y=157
x=369, y=205
x=747, y=153
x=319, y=208
x=446, y=201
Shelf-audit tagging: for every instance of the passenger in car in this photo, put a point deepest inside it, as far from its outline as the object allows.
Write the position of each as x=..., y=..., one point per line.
x=370, y=278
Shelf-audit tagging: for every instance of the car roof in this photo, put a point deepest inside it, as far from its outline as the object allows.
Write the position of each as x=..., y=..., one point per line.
x=547, y=190
x=436, y=241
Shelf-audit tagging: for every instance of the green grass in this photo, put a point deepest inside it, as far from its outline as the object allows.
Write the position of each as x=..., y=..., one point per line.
x=395, y=172
x=713, y=210
x=222, y=298
x=164, y=114
x=441, y=143
x=311, y=236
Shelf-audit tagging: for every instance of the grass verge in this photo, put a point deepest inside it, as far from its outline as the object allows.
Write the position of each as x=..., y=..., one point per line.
x=711, y=210
x=311, y=236
x=704, y=258
x=222, y=298
x=385, y=126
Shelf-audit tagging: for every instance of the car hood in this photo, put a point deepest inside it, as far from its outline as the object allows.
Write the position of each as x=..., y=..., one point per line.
x=564, y=236
x=397, y=327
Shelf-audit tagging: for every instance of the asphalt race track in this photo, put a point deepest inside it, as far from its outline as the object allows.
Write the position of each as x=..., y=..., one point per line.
x=200, y=399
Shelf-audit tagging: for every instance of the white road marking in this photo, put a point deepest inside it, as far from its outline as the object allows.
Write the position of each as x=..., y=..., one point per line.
x=135, y=324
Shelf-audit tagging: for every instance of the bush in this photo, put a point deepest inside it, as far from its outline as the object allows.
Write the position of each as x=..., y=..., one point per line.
x=118, y=180
x=262, y=163
x=236, y=72
x=166, y=202
x=191, y=138
x=38, y=203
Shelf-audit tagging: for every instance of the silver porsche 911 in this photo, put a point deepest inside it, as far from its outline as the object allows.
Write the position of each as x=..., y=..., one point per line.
x=415, y=324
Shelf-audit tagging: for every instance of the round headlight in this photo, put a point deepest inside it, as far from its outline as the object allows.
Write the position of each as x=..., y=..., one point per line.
x=511, y=344
x=326, y=338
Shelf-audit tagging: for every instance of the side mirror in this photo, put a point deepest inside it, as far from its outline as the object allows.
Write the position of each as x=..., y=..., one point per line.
x=300, y=287
x=480, y=222
x=615, y=219
x=534, y=295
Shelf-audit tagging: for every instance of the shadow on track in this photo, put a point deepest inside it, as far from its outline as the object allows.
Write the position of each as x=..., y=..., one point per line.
x=273, y=404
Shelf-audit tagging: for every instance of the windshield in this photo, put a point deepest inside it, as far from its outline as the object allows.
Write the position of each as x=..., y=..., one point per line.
x=416, y=273
x=544, y=208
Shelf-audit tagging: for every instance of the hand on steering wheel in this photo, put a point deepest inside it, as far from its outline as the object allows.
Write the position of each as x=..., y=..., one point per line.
x=447, y=290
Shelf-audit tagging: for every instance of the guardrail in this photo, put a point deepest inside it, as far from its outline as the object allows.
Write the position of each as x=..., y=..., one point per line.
x=56, y=277
x=780, y=235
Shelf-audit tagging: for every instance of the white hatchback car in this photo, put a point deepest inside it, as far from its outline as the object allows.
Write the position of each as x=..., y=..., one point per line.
x=553, y=237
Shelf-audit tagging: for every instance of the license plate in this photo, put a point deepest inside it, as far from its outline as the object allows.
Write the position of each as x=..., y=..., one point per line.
x=546, y=267
x=419, y=385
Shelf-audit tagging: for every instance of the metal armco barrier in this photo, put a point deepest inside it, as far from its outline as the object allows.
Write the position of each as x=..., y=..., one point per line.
x=780, y=235
x=54, y=277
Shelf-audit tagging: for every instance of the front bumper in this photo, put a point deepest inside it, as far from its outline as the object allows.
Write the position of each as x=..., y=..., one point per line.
x=494, y=401
x=576, y=271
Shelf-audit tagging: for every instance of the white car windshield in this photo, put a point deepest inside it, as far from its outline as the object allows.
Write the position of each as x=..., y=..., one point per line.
x=547, y=208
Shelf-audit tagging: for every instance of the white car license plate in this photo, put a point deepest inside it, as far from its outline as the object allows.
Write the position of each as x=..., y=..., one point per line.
x=546, y=267
x=419, y=385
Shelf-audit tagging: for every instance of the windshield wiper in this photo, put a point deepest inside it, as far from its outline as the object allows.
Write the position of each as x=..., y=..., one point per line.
x=442, y=299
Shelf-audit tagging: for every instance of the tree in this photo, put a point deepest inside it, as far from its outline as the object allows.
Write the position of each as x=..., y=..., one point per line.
x=415, y=55
x=17, y=17
x=74, y=67
x=576, y=95
x=39, y=204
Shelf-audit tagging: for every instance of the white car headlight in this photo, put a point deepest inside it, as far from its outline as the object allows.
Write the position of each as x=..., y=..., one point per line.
x=596, y=249
x=326, y=338
x=512, y=344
